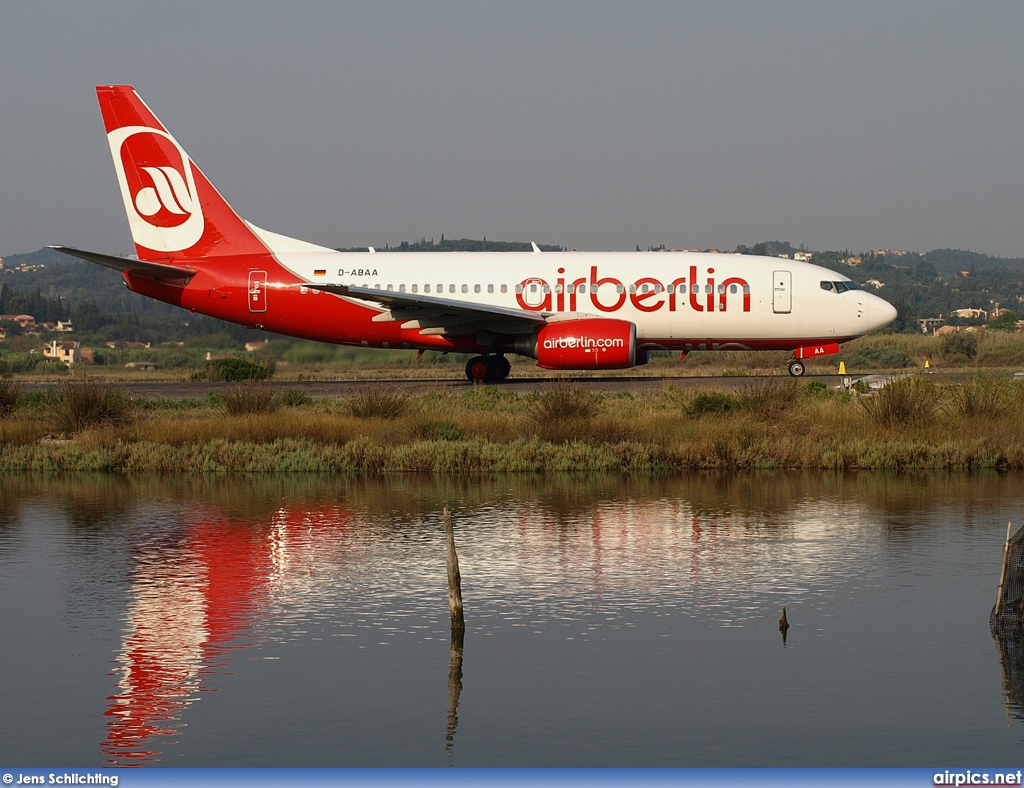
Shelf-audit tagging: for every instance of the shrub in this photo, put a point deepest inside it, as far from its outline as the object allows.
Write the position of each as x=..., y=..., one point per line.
x=234, y=370
x=1005, y=322
x=378, y=403
x=294, y=398
x=958, y=347
x=869, y=357
x=563, y=402
x=904, y=401
x=816, y=389
x=9, y=393
x=767, y=397
x=13, y=363
x=561, y=414
x=706, y=403
x=86, y=404
x=248, y=398
x=978, y=396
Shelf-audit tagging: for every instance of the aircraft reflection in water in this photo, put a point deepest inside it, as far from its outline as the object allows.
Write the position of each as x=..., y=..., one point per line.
x=222, y=573
x=735, y=564
x=218, y=585
x=196, y=596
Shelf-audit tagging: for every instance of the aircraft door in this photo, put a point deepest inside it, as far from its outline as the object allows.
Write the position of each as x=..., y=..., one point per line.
x=257, y=291
x=782, y=292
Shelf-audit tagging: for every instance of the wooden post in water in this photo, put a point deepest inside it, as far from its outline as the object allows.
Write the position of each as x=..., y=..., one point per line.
x=1002, y=573
x=454, y=685
x=458, y=632
x=454, y=578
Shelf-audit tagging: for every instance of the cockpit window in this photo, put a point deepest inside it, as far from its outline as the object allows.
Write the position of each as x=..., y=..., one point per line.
x=839, y=287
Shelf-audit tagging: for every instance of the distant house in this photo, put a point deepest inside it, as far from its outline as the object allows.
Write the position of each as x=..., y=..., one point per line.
x=63, y=325
x=67, y=352
x=969, y=314
x=875, y=284
x=259, y=344
x=143, y=365
x=803, y=257
x=943, y=330
x=929, y=323
x=27, y=322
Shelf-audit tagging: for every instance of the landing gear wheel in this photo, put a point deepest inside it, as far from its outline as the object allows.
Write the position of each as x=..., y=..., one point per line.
x=478, y=369
x=487, y=369
x=502, y=367
x=796, y=368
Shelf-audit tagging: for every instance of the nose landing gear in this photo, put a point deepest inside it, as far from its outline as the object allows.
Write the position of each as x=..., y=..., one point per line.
x=487, y=369
x=796, y=368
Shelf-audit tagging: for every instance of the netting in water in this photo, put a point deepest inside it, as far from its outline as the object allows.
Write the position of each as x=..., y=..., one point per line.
x=1006, y=623
x=1007, y=611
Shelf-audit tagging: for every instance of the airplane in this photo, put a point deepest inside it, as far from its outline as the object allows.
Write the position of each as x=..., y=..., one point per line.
x=567, y=310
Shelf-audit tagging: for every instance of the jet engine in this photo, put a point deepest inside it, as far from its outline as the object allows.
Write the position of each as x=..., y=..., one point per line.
x=584, y=343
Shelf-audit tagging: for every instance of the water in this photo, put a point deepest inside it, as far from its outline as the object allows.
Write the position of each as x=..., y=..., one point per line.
x=280, y=621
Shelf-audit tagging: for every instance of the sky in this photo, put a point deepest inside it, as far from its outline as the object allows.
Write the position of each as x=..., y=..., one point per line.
x=594, y=125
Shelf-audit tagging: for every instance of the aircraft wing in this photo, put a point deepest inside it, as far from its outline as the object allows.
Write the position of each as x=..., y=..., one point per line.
x=130, y=265
x=434, y=315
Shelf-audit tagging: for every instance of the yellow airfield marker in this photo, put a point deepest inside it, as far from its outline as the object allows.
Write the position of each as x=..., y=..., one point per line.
x=842, y=367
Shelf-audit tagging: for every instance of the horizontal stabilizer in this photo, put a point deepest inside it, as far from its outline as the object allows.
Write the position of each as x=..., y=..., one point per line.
x=130, y=265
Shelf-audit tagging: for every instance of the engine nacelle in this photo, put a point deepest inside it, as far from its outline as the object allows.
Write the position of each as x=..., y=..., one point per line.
x=586, y=343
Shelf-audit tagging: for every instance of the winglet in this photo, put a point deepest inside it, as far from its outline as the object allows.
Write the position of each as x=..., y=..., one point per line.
x=536, y=249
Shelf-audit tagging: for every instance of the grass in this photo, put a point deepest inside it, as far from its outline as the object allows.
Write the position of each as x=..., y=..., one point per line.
x=378, y=402
x=778, y=423
x=903, y=402
x=9, y=393
x=81, y=405
x=250, y=397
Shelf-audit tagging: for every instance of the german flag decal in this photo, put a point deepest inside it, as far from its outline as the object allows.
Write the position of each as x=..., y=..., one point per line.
x=320, y=272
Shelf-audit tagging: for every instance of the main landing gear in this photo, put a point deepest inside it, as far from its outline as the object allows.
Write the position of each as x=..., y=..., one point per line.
x=796, y=368
x=487, y=369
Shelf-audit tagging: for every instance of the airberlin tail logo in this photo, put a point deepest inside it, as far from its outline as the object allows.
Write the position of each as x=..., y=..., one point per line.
x=158, y=188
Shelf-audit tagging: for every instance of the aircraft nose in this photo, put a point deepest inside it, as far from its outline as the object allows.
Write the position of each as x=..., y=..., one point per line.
x=882, y=312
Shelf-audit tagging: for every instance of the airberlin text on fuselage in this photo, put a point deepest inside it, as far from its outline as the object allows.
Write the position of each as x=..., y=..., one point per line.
x=645, y=294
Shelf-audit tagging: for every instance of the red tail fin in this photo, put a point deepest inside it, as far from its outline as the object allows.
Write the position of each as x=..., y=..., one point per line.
x=174, y=212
